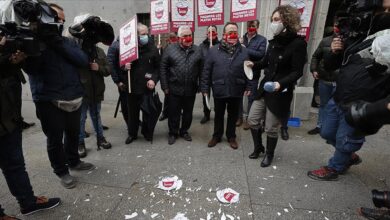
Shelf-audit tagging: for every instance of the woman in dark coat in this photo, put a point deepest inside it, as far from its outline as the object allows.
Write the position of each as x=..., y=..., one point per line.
x=283, y=64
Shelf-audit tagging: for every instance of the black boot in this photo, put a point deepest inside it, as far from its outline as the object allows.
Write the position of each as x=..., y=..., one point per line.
x=82, y=150
x=284, y=133
x=257, y=142
x=269, y=155
x=205, y=118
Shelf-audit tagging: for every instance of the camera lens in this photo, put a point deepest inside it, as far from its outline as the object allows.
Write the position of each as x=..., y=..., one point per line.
x=381, y=198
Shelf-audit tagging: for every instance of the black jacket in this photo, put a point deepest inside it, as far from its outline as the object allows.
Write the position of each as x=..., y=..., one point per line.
x=180, y=70
x=224, y=73
x=10, y=95
x=93, y=81
x=205, y=46
x=147, y=63
x=284, y=61
x=317, y=60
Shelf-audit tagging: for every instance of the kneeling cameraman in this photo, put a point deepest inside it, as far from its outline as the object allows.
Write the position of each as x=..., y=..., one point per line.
x=11, y=153
x=361, y=77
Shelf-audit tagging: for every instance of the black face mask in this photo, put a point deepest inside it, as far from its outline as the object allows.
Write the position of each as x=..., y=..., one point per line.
x=380, y=22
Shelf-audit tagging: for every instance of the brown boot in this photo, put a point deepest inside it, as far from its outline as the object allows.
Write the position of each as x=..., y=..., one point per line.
x=233, y=143
x=214, y=141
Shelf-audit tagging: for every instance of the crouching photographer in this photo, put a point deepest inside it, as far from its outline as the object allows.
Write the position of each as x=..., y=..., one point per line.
x=11, y=153
x=359, y=50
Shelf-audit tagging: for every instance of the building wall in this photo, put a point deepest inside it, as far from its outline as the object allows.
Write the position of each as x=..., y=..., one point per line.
x=117, y=12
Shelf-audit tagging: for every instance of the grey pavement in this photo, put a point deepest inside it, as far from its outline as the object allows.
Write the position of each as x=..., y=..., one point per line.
x=126, y=177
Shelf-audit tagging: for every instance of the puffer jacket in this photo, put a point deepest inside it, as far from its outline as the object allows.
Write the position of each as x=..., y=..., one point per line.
x=180, y=70
x=317, y=61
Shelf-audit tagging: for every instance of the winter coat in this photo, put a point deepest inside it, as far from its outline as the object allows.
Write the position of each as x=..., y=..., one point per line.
x=317, y=61
x=55, y=74
x=181, y=69
x=224, y=72
x=93, y=81
x=284, y=61
x=205, y=46
x=147, y=65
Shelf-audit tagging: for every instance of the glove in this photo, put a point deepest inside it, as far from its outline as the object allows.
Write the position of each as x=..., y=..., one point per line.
x=269, y=87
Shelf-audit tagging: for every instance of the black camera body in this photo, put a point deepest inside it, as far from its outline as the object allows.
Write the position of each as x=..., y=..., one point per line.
x=19, y=38
x=356, y=20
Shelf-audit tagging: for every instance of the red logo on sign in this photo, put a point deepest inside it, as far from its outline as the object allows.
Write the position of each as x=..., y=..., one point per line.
x=243, y=2
x=182, y=10
x=229, y=196
x=210, y=3
x=168, y=183
x=159, y=13
x=127, y=39
x=301, y=10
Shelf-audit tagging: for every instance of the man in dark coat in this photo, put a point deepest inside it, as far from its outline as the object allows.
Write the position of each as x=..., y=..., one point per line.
x=224, y=73
x=204, y=47
x=256, y=46
x=144, y=75
x=57, y=93
x=181, y=67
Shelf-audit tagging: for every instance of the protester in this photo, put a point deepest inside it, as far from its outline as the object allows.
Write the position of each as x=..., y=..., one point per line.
x=144, y=77
x=204, y=47
x=180, y=70
x=256, y=46
x=57, y=93
x=284, y=62
x=172, y=39
x=224, y=73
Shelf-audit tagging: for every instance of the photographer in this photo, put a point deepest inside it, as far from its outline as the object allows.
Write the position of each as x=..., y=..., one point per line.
x=57, y=93
x=361, y=78
x=11, y=153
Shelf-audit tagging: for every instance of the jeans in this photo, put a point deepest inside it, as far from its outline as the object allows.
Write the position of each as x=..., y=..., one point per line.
x=94, y=113
x=14, y=170
x=220, y=105
x=62, y=130
x=326, y=90
x=338, y=133
x=177, y=106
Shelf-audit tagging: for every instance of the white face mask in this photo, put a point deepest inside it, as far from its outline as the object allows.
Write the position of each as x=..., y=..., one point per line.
x=276, y=28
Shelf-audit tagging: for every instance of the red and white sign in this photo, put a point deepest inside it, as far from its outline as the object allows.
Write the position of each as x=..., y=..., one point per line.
x=128, y=42
x=210, y=12
x=243, y=10
x=159, y=16
x=306, y=9
x=183, y=14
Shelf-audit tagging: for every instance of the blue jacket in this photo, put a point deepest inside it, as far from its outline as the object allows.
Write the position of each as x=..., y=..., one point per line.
x=55, y=74
x=224, y=73
x=256, y=48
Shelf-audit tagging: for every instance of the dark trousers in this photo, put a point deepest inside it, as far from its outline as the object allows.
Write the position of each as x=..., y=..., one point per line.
x=220, y=105
x=62, y=130
x=14, y=170
x=123, y=96
x=180, y=106
x=134, y=103
x=206, y=111
x=166, y=106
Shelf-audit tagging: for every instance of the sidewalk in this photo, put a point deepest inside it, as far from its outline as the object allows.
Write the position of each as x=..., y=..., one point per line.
x=125, y=180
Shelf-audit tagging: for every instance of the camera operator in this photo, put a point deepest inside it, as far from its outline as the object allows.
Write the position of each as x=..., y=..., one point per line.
x=360, y=78
x=57, y=93
x=11, y=153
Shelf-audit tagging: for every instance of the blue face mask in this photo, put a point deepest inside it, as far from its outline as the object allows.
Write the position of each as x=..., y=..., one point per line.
x=143, y=39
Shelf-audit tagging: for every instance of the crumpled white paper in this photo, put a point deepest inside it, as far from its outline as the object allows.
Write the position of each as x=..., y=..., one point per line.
x=381, y=50
x=228, y=195
x=170, y=183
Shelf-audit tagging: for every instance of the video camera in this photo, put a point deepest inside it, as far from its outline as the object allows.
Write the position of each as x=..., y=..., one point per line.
x=355, y=21
x=35, y=20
